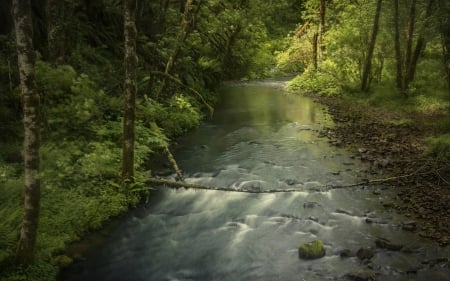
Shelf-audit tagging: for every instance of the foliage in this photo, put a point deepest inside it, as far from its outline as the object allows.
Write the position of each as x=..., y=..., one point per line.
x=313, y=81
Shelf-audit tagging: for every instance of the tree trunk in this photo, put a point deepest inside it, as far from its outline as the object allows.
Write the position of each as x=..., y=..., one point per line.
x=55, y=31
x=191, y=8
x=408, y=48
x=373, y=39
x=322, y=11
x=130, y=88
x=421, y=43
x=314, y=50
x=444, y=27
x=30, y=98
x=398, y=54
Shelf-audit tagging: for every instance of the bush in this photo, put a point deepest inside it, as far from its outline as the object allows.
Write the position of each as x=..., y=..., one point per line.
x=314, y=81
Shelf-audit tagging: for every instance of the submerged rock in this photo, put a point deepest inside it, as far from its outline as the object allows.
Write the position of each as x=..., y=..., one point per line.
x=386, y=244
x=361, y=276
x=346, y=253
x=311, y=250
x=365, y=253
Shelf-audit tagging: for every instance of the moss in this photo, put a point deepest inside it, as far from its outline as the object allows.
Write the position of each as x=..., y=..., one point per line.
x=311, y=250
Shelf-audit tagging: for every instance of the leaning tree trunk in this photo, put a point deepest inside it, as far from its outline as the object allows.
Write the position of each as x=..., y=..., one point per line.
x=30, y=99
x=398, y=54
x=191, y=8
x=130, y=88
x=408, y=48
x=373, y=39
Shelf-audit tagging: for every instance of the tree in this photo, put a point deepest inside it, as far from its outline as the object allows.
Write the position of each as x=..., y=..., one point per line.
x=130, y=89
x=398, y=54
x=373, y=39
x=30, y=99
x=55, y=31
x=408, y=48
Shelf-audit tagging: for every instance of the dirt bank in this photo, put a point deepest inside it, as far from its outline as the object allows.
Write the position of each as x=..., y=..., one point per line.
x=394, y=145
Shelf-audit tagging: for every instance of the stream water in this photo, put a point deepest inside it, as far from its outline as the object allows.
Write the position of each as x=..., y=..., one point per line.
x=262, y=139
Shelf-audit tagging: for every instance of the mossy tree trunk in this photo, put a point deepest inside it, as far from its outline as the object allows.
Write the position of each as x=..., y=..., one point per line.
x=408, y=48
x=398, y=54
x=26, y=60
x=421, y=43
x=191, y=9
x=322, y=12
x=130, y=89
x=368, y=64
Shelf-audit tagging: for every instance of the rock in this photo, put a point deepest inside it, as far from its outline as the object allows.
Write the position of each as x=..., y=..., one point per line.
x=386, y=244
x=313, y=218
x=365, y=253
x=310, y=205
x=362, y=276
x=346, y=253
x=342, y=211
x=311, y=250
x=409, y=226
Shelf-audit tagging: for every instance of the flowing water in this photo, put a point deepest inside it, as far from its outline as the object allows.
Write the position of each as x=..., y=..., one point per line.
x=262, y=139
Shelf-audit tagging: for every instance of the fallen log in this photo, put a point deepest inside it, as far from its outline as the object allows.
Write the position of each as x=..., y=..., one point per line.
x=320, y=188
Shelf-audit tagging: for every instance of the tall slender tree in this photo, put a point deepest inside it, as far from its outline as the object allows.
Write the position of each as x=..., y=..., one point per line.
x=21, y=10
x=398, y=54
x=322, y=12
x=130, y=89
x=408, y=48
x=373, y=39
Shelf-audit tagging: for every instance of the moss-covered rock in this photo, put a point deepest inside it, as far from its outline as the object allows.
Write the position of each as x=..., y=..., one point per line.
x=311, y=250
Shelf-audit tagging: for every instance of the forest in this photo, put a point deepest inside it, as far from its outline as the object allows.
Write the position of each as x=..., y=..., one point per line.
x=93, y=92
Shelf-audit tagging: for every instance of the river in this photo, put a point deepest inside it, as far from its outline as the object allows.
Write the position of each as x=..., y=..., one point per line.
x=262, y=139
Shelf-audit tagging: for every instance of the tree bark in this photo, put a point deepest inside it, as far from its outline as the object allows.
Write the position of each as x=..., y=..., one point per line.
x=315, y=50
x=408, y=48
x=322, y=11
x=373, y=39
x=421, y=43
x=398, y=54
x=130, y=88
x=444, y=29
x=21, y=10
x=55, y=31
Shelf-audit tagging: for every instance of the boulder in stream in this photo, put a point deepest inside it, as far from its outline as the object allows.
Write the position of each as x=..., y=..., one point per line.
x=311, y=250
x=383, y=243
x=361, y=276
x=365, y=253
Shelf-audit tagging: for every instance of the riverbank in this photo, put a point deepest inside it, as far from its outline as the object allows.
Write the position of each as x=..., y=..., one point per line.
x=395, y=145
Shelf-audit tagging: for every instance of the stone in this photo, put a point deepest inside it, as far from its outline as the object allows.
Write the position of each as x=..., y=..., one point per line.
x=365, y=253
x=346, y=253
x=409, y=226
x=311, y=250
x=310, y=205
x=361, y=276
x=386, y=244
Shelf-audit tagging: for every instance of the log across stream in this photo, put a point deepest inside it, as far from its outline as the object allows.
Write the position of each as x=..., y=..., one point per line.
x=286, y=188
